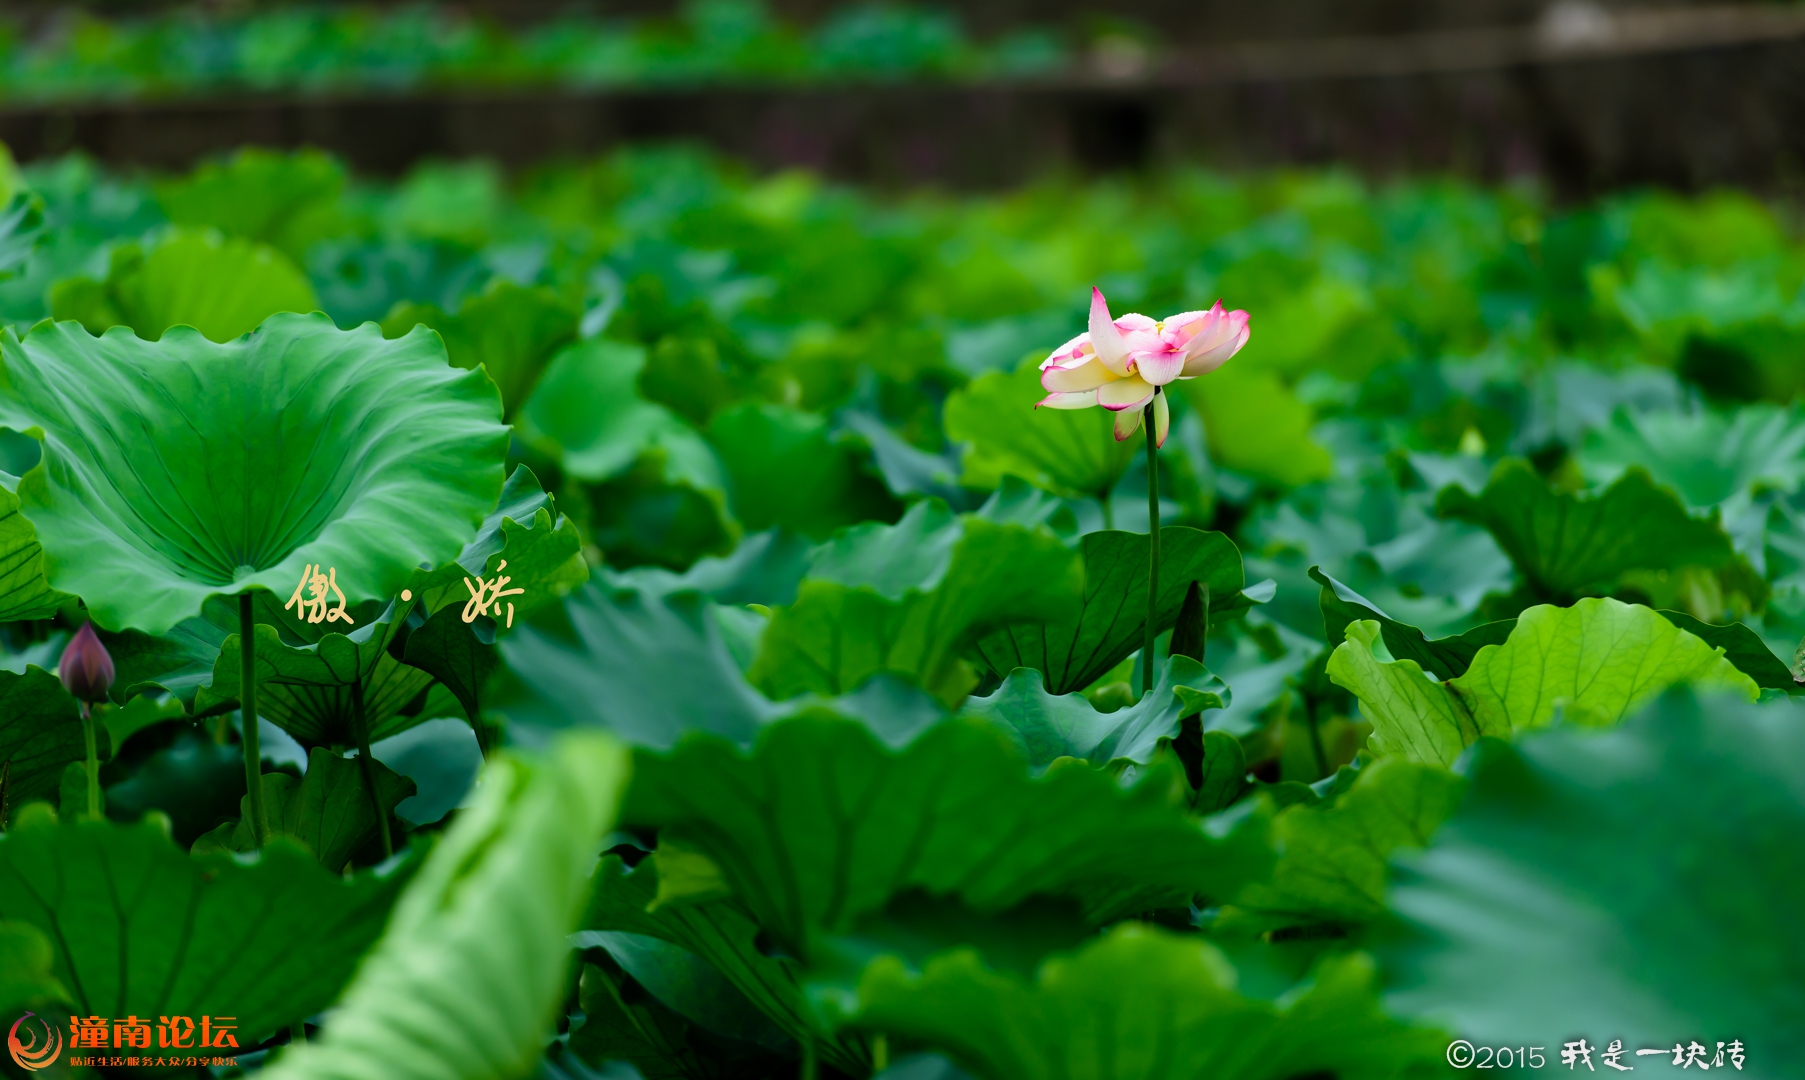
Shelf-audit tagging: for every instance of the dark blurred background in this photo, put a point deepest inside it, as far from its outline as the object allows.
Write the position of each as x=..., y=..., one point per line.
x=1584, y=94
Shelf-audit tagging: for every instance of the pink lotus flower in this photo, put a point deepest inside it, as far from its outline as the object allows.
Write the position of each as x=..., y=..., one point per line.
x=1122, y=363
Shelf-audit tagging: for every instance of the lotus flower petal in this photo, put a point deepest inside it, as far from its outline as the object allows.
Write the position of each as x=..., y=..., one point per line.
x=1128, y=421
x=1162, y=420
x=1068, y=380
x=1074, y=353
x=1081, y=400
x=1159, y=367
x=1204, y=361
x=1129, y=393
x=1106, y=339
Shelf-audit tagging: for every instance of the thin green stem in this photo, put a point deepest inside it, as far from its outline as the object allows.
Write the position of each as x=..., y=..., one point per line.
x=880, y=1052
x=1152, y=548
x=361, y=728
x=810, y=1068
x=87, y=734
x=297, y=1032
x=1109, y=516
x=247, y=700
x=1322, y=759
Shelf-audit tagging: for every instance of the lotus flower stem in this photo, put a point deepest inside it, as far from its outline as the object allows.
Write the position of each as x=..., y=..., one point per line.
x=247, y=700
x=1152, y=547
x=1109, y=517
x=87, y=734
x=361, y=728
x=810, y=1070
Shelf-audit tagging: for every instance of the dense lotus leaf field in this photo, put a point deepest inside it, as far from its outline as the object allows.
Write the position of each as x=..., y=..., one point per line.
x=701, y=657
x=304, y=48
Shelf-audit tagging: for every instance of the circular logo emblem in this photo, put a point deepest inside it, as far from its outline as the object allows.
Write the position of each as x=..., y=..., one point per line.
x=31, y=1053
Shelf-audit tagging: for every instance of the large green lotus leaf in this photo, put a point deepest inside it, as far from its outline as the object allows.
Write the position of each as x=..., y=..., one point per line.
x=1141, y=1003
x=27, y=960
x=142, y=928
x=1594, y=662
x=222, y=287
x=646, y=666
x=1641, y=883
x=509, y=330
x=179, y=661
x=327, y=811
x=1742, y=647
x=1071, y=451
x=724, y=934
x=785, y=469
x=587, y=412
x=1705, y=456
x=1599, y=660
x=1445, y=658
x=40, y=734
x=1085, y=639
x=24, y=594
x=821, y=822
x=1331, y=855
x=1046, y=727
x=1257, y=426
x=466, y=981
x=287, y=200
x=179, y=470
x=1411, y=715
x=835, y=636
x=1568, y=545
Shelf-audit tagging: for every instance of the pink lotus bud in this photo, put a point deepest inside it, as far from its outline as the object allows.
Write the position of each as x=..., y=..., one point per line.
x=86, y=669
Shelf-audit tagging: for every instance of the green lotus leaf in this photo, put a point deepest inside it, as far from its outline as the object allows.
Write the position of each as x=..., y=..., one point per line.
x=467, y=979
x=448, y=649
x=1742, y=647
x=784, y=469
x=822, y=822
x=1086, y=639
x=510, y=331
x=541, y=549
x=196, y=782
x=40, y=735
x=310, y=691
x=1331, y=855
x=724, y=934
x=623, y=1021
x=222, y=287
x=587, y=412
x=267, y=941
x=1445, y=658
x=21, y=227
x=1706, y=456
x=1046, y=727
x=141, y=712
x=1596, y=662
x=286, y=200
x=327, y=811
x=1141, y=1003
x=26, y=962
x=24, y=594
x=645, y=666
x=1568, y=545
x=1639, y=883
x=1073, y=452
x=1257, y=426
x=838, y=634
x=321, y=447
